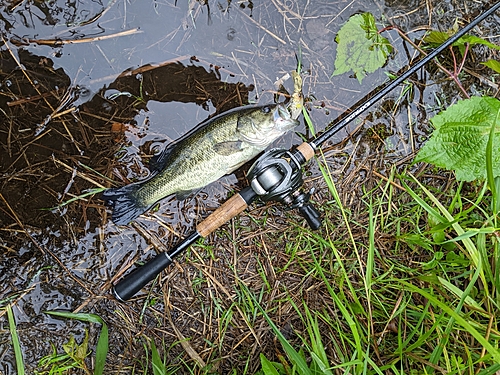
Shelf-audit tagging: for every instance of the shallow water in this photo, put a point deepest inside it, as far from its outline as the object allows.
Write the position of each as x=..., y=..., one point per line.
x=86, y=108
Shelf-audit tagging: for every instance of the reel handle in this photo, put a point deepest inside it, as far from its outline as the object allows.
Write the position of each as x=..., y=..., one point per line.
x=311, y=214
x=277, y=176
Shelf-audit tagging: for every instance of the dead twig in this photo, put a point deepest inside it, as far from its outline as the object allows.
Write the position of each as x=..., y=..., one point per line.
x=58, y=42
x=263, y=28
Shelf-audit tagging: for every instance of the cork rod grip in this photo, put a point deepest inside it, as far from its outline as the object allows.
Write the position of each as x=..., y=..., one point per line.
x=306, y=150
x=232, y=207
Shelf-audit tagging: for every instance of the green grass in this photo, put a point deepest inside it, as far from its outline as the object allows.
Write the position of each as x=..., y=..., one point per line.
x=404, y=282
x=15, y=341
x=424, y=301
x=75, y=354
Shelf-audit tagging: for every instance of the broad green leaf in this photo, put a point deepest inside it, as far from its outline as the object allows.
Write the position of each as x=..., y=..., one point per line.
x=493, y=64
x=77, y=352
x=360, y=47
x=435, y=38
x=460, y=138
x=69, y=347
x=474, y=40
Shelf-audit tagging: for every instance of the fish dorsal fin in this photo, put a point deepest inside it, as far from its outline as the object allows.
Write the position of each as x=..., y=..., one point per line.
x=159, y=161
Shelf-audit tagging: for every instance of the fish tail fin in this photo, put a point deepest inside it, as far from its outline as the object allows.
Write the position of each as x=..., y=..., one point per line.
x=125, y=203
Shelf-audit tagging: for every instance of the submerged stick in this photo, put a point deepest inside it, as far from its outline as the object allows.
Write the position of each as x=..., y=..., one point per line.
x=57, y=42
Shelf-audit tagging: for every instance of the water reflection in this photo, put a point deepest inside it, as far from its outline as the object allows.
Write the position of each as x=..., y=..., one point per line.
x=51, y=13
x=54, y=148
x=57, y=140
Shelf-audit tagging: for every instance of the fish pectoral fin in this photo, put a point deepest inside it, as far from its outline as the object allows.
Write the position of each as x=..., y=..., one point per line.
x=228, y=148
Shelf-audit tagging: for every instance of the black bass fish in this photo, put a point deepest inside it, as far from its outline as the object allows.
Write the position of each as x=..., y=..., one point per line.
x=218, y=146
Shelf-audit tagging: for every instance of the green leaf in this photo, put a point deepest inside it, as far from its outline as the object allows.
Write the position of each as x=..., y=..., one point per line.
x=159, y=367
x=77, y=352
x=101, y=350
x=493, y=64
x=102, y=343
x=474, y=40
x=267, y=366
x=460, y=138
x=435, y=38
x=15, y=341
x=90, y=318
x=360, y=47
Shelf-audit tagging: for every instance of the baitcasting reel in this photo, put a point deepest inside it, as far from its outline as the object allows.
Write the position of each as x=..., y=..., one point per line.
x=277, y=176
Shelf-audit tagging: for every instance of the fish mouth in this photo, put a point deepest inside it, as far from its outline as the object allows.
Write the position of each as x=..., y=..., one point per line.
x=283, y=119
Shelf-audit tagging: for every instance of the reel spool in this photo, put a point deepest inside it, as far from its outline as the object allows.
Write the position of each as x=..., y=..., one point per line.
x=277, y=176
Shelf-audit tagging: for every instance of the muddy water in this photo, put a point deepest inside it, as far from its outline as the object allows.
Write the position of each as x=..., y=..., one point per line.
x=89, y=92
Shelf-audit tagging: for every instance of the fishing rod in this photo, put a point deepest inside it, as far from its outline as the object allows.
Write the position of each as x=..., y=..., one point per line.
x=276, y=176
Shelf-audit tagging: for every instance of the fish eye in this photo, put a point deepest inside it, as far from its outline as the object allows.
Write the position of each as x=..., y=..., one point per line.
x=266, y=109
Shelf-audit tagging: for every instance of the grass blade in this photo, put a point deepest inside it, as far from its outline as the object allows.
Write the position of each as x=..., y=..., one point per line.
x=469, y=245
x=15, y=341
x=79, y=197
x=495, y=353
x=158, y=365
x=267, y=366
x=101, y=350
x=318, y=352
x=344, y=309
x=474, y=255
